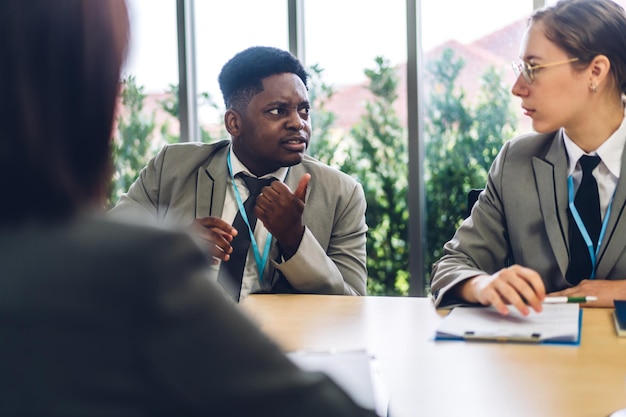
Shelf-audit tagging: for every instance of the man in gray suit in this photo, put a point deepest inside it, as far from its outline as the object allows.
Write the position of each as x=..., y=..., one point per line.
x=100, y=318
x=312, y=217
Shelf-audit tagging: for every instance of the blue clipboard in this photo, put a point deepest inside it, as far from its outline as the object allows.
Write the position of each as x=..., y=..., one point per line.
x=556, y=325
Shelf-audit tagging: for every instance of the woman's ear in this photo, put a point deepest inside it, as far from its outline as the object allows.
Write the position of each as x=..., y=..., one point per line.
x=600, y=68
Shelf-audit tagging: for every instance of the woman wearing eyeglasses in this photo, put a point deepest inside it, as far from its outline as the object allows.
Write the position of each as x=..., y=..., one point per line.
x=551, y=219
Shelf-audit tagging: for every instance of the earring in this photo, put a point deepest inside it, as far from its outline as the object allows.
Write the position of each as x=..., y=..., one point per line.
x=593, y=88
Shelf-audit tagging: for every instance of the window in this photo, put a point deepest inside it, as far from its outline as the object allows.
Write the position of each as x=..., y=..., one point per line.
x=469, y=109
x=153, y=51
x=225, y=28
x=470, y=42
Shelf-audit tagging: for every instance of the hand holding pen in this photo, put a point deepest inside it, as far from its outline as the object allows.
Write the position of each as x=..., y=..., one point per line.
x=603, y=291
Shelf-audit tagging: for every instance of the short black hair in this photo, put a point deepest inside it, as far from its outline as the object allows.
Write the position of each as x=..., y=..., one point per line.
x=241, y=77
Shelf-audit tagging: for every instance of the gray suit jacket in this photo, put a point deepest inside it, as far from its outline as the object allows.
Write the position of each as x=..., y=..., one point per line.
x=521, y=218
x=188, y=181
x=99, y=318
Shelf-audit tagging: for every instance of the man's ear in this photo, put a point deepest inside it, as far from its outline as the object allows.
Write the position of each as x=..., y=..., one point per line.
x=232, y=122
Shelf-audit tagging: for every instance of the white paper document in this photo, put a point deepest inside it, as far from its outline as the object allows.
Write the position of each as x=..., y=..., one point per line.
x=356, y=371
x=557, y=323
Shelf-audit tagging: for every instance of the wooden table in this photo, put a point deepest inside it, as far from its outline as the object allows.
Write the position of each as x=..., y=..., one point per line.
x=428, y=378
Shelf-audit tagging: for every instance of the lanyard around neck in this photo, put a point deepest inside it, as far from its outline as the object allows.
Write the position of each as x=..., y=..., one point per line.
x=593, y=254
x=261, y=261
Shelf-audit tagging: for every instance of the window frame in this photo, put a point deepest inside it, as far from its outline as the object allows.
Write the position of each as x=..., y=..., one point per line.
x=190, y=131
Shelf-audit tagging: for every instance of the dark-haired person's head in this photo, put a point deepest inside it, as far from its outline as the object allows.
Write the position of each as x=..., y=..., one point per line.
x=241, y=77
x=60, y=65
x=267, y=108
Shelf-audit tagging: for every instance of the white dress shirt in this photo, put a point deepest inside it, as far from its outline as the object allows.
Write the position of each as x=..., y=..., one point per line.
x=608, y=170
x=250, y=281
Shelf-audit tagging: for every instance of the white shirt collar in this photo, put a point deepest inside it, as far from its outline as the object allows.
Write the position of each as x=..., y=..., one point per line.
x=238, y=167
x=610, y=151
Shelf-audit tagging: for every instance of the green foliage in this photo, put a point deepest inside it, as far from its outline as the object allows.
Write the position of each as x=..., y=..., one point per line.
x=375, y=153
x=171, y=103
x=132, y=141
x=321, y=144
x=171, y=106
x=379, y=160
x=462, y=139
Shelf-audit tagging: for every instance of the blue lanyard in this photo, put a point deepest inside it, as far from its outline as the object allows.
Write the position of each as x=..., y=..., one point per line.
x=593, y=254
x=260, y=261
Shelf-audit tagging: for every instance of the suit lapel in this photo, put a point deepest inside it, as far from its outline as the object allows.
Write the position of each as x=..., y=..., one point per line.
x=293, y=176
x=613, y=244
x=550, y=176
x=211, y=185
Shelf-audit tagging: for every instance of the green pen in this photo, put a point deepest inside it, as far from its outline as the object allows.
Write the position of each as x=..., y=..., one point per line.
x=563, y=300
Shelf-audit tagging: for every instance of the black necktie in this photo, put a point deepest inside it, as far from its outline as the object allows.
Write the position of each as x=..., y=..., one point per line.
x=231, y=271
x=587, y=204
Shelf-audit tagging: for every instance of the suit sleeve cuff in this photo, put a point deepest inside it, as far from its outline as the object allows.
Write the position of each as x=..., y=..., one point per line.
x=310, y=269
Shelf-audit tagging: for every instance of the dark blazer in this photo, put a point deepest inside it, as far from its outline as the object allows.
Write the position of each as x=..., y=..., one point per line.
x=521, y=218
x=103, y=319
x=189, y=180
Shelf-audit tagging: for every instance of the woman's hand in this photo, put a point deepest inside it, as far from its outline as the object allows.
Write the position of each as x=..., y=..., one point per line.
x=516, y=285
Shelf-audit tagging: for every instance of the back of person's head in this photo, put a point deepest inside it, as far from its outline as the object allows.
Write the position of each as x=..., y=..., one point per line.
x=585, y=29
x=242, y=76
x=60, y=65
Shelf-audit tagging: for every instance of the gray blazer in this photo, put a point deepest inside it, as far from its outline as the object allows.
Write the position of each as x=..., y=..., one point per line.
x=99, y=318
x=188, y=181
x=521, y=218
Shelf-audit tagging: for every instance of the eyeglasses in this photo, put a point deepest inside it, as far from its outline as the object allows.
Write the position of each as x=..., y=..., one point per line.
x=528, y=71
